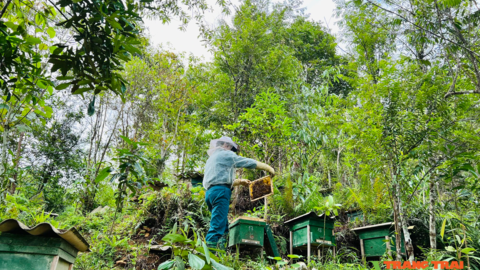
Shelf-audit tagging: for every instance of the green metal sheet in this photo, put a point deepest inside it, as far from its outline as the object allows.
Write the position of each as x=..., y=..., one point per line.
x=355, y=215
x=321, y=231
x=270, y=245
x=246, y=232
x=22, y=261
x=374, y=233
x=329, y=224
x=318, y=237
x=23, y=251
x=374, y=240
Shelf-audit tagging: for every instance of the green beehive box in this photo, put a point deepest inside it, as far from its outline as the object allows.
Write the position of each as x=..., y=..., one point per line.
x=375, y=240
x=197, y=181
x=321, y=231
x=42, y=247
x=355, y=215
x=247, y=231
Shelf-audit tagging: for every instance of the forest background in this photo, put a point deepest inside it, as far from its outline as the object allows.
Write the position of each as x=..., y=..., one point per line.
x=95, y=115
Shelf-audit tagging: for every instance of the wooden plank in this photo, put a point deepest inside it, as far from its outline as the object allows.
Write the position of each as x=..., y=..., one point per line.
x=291, y=243
x=309, y=243
x=70, y=267
x=373, y=226
x=54, y=263
x=389, y=249
x=266, y=208
x=362, y=250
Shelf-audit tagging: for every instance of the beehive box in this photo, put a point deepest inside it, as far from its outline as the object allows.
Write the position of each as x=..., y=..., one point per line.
x=377, y=239
x=197, y=181
x=261, y=188
x=321, y=231
x=42, y=247
x=247, y=231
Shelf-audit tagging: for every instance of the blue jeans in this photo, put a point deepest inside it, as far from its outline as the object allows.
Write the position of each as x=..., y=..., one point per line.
x=218, y=202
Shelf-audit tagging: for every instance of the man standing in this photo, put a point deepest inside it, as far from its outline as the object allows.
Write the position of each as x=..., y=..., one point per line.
x=218, y=180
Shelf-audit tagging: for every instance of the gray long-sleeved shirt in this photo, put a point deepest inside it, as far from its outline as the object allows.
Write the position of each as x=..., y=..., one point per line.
x=221, y=165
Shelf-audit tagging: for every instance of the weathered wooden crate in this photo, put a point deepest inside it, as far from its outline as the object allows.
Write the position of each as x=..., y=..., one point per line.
x=42, y=247
x=377, y=239
x=247, y=231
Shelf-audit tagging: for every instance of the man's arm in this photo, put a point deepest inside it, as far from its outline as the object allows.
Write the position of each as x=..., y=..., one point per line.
x=241, y=162
x=241, y=182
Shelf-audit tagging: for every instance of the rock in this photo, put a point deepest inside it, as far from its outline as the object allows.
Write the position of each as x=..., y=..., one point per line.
x=160, y=248
x=303, y=266
x=99, y=210
x=96, y=210
x=121, y=262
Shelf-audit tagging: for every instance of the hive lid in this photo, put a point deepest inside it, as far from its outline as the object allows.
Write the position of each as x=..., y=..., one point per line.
x=309, y=214
x=373, y=226
x=248, y=220
x=72, y=236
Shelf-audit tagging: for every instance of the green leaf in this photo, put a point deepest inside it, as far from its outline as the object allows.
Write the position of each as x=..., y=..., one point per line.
x=23, y=128
x=91, y=107
x=51, y=32
x=62, y=86
x=48, y=111
x=33, y=40
x=219, y=266
x=114, y=23
x=179, y=262
x=174, y=238
x=103, y=174
x=206, y=251
x=195, y=261
x=166, y=265
x=468, y=250
x=450, y=248
x=442, y=231
x=4, y=107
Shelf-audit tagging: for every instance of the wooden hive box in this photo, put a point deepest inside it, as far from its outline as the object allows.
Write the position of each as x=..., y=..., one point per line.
x=375, y=240
x=42, y=247
x=247, y=231
x=321, y=231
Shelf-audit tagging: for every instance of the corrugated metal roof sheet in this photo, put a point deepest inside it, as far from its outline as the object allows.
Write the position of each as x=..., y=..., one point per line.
x=72, y=236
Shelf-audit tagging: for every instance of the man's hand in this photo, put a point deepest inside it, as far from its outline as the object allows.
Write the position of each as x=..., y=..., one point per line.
x=241, y=182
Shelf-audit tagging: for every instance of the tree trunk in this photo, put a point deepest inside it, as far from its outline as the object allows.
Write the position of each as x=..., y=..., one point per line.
x=432, y=227
x=406, y=234
x=398, y=225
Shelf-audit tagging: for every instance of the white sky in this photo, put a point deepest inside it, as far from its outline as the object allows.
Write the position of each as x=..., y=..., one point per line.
x=188, y=41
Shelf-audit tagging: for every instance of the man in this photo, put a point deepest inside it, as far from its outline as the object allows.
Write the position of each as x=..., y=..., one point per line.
x=218, y=180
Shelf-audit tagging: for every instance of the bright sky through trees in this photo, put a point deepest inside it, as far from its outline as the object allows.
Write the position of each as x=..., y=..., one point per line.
x=188, y=40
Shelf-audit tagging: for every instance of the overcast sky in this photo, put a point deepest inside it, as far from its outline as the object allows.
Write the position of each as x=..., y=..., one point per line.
x=189, y=42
